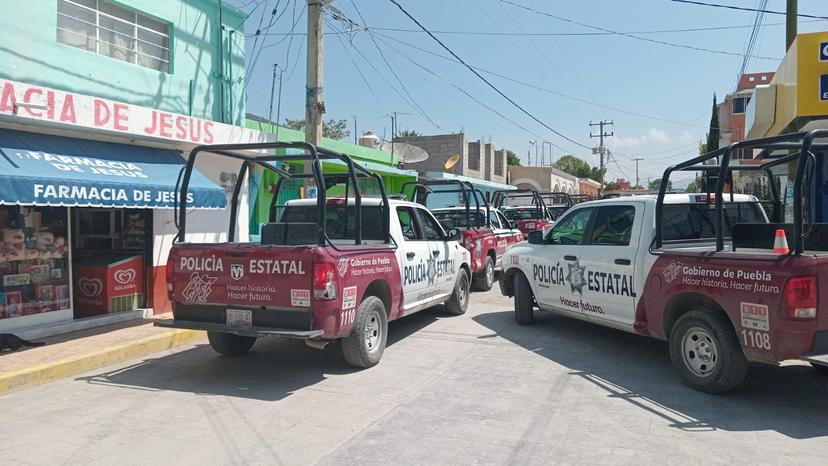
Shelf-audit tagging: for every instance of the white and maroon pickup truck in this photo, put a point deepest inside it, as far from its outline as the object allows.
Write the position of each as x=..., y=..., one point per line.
x=326, y=268
x=718, y=309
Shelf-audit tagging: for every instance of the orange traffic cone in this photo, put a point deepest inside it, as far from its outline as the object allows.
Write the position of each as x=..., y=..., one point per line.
x=780, y=243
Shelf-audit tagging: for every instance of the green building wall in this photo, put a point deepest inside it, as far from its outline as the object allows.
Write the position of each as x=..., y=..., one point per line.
x=30, y=53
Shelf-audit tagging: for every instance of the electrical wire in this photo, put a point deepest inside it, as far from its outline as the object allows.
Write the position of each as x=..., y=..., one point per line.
x=495, y=88
x=394, y=73
x=633, y=36
x=361, y=74
x=740, y=8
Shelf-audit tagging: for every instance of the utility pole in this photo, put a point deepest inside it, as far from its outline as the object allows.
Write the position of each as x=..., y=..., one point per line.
x=790, y=23
x=314, y=105
x=600, y=149
x=356, y=141
x=636, y=160
x=279, y=104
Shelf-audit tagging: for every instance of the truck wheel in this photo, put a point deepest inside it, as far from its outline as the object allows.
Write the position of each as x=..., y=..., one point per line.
x=484, y=280
x=364, y=346
x=229, y=344
x=706, y=353
x=459, y=299
x=524, y=312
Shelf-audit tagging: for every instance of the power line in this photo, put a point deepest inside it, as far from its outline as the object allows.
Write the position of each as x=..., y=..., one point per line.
x=740, y=8
x=540, y=88
x=633, y=36
x=361, y=74
x=486, y=80
x=384, y=59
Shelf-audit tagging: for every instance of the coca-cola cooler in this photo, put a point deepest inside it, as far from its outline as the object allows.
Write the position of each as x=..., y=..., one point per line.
x=103, y=286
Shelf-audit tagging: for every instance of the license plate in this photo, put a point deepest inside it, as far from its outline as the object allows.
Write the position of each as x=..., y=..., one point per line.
x=530, y=226
x=239, y=318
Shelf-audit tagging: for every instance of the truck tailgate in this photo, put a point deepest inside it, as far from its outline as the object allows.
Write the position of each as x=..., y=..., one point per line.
x=244, y=275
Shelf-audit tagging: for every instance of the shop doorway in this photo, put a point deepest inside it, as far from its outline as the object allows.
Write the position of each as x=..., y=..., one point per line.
x=110, y=250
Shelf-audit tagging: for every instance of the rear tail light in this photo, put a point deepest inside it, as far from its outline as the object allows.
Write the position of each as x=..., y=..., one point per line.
x=168, y=276
x=801, y=297
x=324, y=286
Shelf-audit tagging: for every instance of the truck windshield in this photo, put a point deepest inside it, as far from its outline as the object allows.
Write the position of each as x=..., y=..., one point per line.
x=339, y=220
x=697, y=221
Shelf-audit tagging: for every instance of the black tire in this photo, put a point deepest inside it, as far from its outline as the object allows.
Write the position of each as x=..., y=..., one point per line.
x=459, y=300
x=524, y=300
x=484, y=281
x=229, y=344
x=366, y=343
x=706, y=353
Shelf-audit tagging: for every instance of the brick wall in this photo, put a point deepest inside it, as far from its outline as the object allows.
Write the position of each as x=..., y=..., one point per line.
x=498, y=169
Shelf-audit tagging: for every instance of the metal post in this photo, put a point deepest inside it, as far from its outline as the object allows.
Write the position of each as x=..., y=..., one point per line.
x=636, y=160
x=790, y=23
x=314, y=105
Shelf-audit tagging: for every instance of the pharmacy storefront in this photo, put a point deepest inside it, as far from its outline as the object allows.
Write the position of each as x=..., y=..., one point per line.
x=87, y=194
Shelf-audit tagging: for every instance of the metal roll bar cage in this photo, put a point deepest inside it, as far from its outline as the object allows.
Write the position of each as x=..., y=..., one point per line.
x=802, y=143
x=310, y=153
x=498, y=197
x=568, y=200
x=464, y=187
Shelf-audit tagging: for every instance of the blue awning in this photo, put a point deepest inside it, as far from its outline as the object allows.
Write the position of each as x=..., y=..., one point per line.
x=39, y=169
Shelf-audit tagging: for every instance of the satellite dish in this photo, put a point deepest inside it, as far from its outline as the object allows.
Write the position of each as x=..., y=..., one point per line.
x=407, y=153
x=452, y=161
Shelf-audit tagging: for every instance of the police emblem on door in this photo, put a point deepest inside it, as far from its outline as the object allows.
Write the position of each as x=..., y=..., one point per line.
x=237, y=271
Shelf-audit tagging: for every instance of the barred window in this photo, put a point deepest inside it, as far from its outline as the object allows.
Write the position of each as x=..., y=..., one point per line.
x=105, y=28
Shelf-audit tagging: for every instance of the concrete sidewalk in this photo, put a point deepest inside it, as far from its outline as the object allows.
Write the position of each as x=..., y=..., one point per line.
x=77, y=352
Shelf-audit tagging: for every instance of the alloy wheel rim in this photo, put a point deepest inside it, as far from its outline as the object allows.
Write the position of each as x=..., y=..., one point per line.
x=699, y=351
x=489, y=273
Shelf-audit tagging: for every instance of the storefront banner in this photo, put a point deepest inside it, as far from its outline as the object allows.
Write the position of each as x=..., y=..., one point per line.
x=37, y=169
x=21, y=101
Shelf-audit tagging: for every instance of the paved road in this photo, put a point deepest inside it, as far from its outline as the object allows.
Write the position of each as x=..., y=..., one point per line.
x=470, y=389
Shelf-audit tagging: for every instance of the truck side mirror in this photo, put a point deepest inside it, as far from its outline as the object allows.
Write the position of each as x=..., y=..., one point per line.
x=454, y=234
x=535, y=237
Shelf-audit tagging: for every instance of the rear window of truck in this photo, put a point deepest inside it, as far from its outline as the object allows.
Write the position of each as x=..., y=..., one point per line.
x=530, y=213
x=697, y=221
x=340, y=220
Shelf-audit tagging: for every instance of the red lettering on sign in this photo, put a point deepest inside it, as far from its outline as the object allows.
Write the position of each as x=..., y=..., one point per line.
x=181, y=127
x=195, y=131
x=50, y=104
x=27, y=97
x=208, y=132
x=120, y=116
x=68, y=111
x=165, y=125
x=101, y=113
x=8, y=100
x=153, y=126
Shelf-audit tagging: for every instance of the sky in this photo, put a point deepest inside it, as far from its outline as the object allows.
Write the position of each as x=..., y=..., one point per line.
x=563, y=71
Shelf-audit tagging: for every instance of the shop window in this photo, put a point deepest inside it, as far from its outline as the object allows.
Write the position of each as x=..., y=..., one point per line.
x=34, y=274
x=109, y=29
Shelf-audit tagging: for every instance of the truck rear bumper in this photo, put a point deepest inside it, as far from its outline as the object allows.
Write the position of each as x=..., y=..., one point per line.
x=252, y=331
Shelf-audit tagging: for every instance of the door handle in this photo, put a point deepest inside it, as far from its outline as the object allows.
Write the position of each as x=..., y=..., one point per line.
x=570, y=258
x=622, y=261
x=410, y=255
x=435, y=252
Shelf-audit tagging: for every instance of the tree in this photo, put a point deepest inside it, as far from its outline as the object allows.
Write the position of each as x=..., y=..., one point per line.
x=713, y=134
x=577, y=167
x=408, y=133
x=691, y=188
x=611, y=186
x=512, y=159
x=655, y=185
x=333, y=129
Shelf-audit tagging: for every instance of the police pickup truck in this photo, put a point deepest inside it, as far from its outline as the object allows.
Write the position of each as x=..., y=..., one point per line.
x=325, y=268
x=707, y=272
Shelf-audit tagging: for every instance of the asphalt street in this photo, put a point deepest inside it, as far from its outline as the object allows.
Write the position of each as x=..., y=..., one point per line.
x=471, y=389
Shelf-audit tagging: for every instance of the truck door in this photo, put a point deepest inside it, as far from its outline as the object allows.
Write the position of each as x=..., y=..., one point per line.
x=608, y=261
x=557, y=277
x=413, y=255
x=442, y=260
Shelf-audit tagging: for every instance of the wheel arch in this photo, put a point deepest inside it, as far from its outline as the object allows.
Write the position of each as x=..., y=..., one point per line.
x=507, y=283
x=381, y=289
x=685, y=302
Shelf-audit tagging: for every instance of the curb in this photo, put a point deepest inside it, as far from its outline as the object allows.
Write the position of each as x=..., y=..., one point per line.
x=43, y=373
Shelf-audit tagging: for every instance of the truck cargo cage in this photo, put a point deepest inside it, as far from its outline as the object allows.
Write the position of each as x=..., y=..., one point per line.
x=249, y=154
x=422, y=189
x=500, y=197
x=776, y=151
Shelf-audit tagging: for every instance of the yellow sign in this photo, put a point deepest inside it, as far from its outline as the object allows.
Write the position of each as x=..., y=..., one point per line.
x=812, y=74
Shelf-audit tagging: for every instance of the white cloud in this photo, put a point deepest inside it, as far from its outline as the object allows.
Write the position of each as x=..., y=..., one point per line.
x=653, y=137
